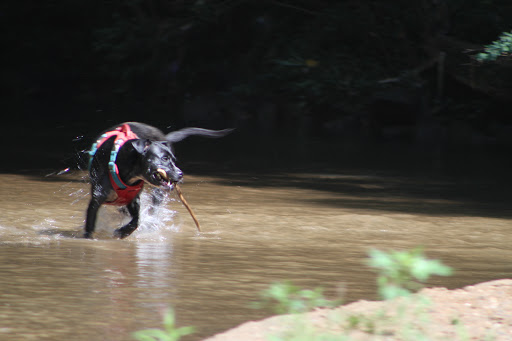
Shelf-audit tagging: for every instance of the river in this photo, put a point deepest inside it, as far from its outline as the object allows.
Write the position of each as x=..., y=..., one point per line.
x=312, y=226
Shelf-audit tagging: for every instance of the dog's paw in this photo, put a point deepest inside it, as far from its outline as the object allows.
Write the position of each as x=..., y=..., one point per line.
x=120, y=234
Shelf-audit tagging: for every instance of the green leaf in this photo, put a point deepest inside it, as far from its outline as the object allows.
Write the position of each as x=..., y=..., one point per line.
x=380, y=259
x=151, y=335
x=171, y=333
x=169, y=320
x=400, y=271
x=421, y=269
x=392, y=291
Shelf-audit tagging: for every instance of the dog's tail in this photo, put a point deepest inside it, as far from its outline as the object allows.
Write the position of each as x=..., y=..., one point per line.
x=181, y=134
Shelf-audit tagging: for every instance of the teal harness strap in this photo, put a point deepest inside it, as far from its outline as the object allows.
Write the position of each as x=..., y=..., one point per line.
x=94, y=148
x=114, y=171
x=125, y=193
x=112, y=164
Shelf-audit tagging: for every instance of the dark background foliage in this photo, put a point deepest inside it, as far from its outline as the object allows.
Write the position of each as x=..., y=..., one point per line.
x=306, y=69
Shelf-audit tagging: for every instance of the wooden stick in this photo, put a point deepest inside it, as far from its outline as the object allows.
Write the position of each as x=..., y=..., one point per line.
x=189, y=209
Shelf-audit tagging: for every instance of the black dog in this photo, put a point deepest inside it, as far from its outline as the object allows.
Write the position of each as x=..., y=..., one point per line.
x=125, y=157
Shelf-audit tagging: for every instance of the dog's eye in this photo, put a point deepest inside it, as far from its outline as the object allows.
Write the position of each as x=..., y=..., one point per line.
x=165, y=158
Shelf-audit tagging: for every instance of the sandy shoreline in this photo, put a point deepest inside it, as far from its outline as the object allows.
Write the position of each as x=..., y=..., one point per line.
x=477, y=312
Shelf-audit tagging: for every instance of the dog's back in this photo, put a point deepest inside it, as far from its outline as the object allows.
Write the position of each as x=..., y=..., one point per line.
x=142, y=130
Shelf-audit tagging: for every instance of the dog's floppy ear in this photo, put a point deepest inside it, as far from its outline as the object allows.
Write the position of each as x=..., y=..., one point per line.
x=140, y=145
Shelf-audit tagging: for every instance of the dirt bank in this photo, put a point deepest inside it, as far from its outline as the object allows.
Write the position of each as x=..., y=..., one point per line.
x=478, y=312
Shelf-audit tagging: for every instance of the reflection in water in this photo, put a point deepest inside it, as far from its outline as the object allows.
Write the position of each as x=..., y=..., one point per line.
x=313, y=229
x=155, y=269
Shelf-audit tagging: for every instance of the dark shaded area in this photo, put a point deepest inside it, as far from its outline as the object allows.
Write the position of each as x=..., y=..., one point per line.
x=432, y=196
x=308, y=84
x=381, y=179
x=370, y=178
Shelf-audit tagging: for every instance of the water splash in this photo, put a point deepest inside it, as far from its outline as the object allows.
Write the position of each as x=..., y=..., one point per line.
x=156, y=219
x=79, y=195
x=154, y=223
x=157, y=223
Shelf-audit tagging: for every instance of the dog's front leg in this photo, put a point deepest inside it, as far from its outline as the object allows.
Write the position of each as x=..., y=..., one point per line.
x=92, y=212
x=134, y=210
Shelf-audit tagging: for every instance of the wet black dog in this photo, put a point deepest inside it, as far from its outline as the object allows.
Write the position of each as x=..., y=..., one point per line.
x=125, y=157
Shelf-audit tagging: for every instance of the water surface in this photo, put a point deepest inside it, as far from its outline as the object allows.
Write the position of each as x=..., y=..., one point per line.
x=313, y=228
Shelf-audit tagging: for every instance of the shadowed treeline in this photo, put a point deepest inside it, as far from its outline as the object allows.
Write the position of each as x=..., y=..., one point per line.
x=302, y=68
x=305, y=82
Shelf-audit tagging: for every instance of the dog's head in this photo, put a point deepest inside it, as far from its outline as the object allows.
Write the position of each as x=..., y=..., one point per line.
x=156, y=163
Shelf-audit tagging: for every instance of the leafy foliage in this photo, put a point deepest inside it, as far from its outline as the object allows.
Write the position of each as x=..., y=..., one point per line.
x=401, y=272
x=313, y=54
x=303, y=51
x=169, y=333
x=286, y=298
x=499, y=48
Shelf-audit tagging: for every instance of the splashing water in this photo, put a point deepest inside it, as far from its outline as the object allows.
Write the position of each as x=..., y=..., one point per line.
x=154, y=220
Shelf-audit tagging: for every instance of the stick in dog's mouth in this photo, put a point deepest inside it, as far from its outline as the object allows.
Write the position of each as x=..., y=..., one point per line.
x=162, y=174
x=185, y=203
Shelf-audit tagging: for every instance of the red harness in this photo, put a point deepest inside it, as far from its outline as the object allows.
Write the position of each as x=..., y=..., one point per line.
x=125, y=193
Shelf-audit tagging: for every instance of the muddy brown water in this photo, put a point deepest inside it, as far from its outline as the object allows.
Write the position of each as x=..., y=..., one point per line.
x=311, y=228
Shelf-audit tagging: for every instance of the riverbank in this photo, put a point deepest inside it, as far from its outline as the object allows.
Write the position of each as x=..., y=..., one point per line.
x=477, y=312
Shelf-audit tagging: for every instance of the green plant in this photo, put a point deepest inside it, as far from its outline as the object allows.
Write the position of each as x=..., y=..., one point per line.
x=361, y=322
x=401, y=272
x=169, y=333
x=498, y=48
x=286, y=298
